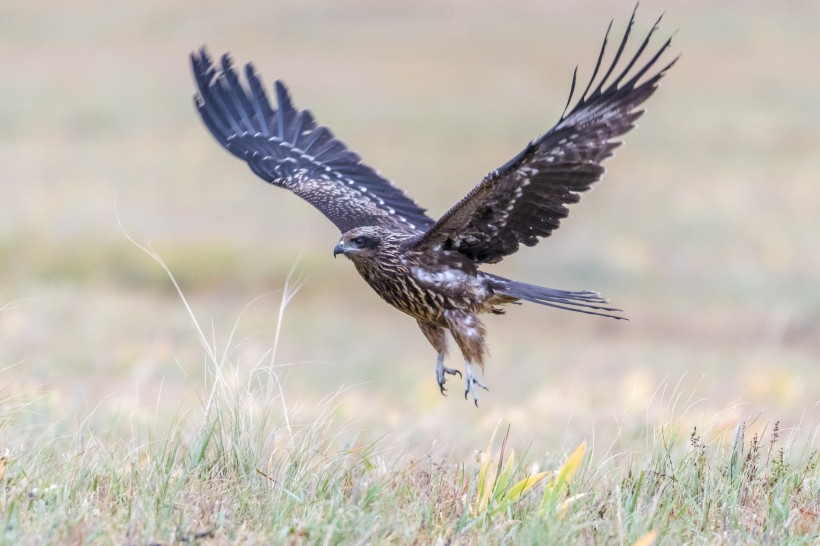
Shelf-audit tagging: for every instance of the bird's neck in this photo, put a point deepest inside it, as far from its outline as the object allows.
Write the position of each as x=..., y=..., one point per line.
x=387, y=268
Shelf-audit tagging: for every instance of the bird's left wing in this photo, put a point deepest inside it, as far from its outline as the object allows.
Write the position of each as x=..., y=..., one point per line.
x=525, y=199
x=287, y=148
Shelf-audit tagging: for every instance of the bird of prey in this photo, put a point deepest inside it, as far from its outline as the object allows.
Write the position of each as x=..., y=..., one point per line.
x=430, y=269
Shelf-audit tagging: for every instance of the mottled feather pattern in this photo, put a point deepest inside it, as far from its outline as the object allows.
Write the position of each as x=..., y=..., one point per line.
x=287, y=148
x=526, y=199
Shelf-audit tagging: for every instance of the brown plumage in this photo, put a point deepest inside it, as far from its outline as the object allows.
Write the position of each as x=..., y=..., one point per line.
x=424, y=268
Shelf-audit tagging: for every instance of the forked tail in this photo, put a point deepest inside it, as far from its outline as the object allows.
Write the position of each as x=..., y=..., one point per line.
x=585, y=301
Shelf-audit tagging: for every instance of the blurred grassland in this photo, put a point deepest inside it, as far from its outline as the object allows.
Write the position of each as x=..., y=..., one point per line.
x=704, y=230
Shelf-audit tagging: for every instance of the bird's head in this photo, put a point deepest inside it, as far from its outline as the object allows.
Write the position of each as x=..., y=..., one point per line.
x=361, y=243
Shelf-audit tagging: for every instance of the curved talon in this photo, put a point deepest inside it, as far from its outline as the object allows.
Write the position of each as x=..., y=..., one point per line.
x=471, y=389
x=441, y=372
x=471, y=383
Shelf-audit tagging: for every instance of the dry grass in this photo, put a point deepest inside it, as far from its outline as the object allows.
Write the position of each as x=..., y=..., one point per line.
x=245, y=464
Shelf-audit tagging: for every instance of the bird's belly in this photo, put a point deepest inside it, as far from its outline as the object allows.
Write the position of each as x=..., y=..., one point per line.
x=422, y=297
x=408, y=297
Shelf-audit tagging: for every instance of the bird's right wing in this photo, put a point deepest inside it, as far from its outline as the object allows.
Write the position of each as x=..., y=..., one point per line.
x=287, y=148
x=526, y=198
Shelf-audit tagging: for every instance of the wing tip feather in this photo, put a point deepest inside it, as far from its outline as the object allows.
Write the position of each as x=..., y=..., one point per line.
x=238, y=115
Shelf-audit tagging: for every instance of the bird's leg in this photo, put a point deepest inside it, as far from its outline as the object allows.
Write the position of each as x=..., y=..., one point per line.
x=472, y=382
x=441, y=370
x=468, y=332
x=435, y=334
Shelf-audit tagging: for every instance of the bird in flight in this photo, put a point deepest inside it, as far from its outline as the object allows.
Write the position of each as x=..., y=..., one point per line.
x=430, y=269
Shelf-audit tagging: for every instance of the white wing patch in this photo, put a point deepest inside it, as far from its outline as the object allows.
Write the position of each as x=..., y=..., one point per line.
x=444, y=279
x=336, y=177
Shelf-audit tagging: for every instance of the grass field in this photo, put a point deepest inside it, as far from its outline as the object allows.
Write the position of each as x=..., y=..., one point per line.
x=241, y=410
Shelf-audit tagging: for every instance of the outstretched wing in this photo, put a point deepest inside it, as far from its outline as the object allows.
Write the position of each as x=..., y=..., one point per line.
x=527, y=197
x=287, y=148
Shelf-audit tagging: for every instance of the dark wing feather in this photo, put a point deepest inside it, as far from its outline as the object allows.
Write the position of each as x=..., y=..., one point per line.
x=287, y=148
x=527, y=197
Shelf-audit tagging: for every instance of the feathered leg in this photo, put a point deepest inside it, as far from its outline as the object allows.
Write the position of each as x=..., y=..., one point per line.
x=437, y=338
x=468, y=332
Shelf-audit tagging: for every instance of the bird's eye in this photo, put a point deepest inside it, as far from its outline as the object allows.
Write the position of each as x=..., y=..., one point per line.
x=359, y=241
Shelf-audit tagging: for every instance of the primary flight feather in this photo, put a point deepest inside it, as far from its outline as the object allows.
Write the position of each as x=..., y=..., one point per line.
x=425, y=268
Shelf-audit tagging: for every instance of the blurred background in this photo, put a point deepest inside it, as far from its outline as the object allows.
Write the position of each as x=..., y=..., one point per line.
x=704, y=230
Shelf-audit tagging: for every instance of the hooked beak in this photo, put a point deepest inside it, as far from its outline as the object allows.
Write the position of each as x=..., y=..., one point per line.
x=339, y=249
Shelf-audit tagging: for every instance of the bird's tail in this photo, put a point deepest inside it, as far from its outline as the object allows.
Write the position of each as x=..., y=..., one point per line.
x=586, y=301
